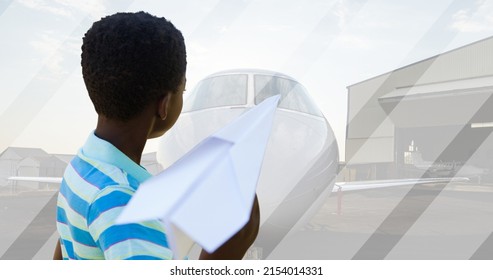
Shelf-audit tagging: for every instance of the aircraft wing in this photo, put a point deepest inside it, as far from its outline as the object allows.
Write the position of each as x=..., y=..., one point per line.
x=57, y=180
x=342, y=186
x=366, y=185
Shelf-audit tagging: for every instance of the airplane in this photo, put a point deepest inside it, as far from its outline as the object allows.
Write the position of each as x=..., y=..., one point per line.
x=301, y=161
x=442, y=169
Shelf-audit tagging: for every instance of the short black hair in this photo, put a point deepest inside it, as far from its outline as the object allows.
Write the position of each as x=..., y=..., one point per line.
x=129, y=60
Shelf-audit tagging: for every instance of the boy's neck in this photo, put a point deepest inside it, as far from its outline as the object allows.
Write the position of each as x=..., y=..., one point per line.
x=128, y=137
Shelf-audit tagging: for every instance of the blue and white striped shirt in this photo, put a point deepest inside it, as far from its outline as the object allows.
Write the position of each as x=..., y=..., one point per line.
x=97, y=184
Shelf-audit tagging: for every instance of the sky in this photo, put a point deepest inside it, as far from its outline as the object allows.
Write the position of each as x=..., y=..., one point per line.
x=326, y=45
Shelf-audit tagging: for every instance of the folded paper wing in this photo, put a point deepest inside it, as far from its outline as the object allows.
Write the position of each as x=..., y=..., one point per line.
x=207, y=195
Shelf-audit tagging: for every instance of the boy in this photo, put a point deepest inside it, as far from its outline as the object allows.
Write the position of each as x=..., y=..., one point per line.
x=134, y=67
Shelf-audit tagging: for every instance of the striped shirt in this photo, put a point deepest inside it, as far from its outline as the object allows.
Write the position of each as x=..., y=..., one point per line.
x=97, y=184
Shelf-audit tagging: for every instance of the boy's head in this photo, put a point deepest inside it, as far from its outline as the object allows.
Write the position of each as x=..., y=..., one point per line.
x=130, y=60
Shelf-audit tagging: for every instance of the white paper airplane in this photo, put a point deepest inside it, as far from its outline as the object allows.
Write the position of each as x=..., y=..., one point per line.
x=207, y=195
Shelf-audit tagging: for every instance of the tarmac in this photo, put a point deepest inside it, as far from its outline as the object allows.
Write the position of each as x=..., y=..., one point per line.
x=428, y=223
x=431, y=221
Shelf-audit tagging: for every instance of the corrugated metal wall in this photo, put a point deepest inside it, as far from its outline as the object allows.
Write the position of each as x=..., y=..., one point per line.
x=370, y=133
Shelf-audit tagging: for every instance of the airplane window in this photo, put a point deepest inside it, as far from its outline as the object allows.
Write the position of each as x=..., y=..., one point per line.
x=227, y=90
x=293, y=95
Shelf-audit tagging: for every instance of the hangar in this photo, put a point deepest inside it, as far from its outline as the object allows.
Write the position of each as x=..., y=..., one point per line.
x=431, y=118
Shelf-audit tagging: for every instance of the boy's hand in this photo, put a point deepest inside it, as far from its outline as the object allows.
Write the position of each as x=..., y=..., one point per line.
x=236, y=247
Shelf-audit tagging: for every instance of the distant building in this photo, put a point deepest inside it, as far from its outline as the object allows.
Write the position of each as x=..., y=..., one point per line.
x=433, y=116
x=64, y=158
x=34, y=162
x=31, y=162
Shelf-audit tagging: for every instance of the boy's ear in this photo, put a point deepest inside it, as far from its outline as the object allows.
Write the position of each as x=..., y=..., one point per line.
x=163, y=104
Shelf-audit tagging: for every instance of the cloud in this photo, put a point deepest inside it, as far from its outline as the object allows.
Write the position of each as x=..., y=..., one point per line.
x=197, y=52
x=341, y=11
x=474, y=20
x=41, y=5
x=56, y=52
x=95, y=8
x=67, y=8
x=353, y=41
x=275, y=27
x=47, y=45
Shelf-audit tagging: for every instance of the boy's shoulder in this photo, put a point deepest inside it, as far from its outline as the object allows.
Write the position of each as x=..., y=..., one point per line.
x=86, y=180
x=99, y=164
x=101, y=174
x=92, y=187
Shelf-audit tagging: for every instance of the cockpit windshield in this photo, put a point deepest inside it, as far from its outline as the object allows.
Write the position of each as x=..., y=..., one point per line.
x=293, y=95
x=227, y=90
